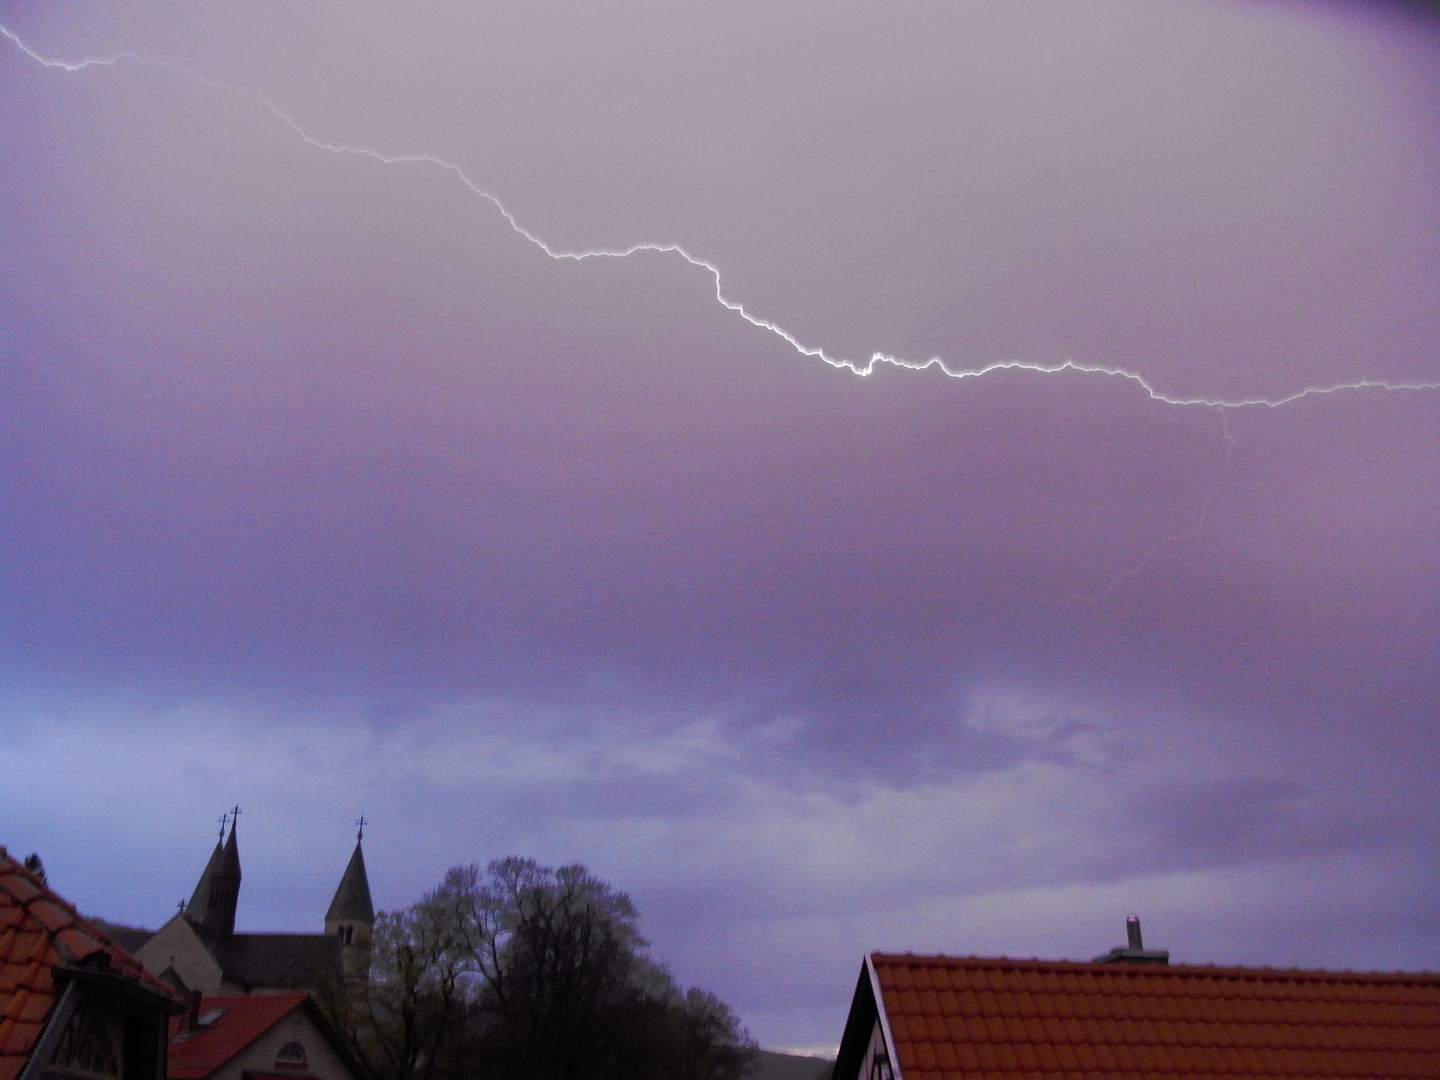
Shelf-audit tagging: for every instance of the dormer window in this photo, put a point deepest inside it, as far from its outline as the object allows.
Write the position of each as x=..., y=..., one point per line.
x=290, y=1056
x=92, y=1047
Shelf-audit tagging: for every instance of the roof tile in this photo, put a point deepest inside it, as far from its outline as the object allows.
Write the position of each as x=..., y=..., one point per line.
x=925, y=1055
x=76, y=945
x=19, y=885
x=1025, y=1054
x=15, y=1008
x=1009, y=1062
x=49, y=914
x=1046, y=1058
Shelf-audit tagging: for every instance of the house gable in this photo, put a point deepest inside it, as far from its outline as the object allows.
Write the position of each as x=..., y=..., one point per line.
x=246, y=1037
x=177, y=946
x=866, y=1049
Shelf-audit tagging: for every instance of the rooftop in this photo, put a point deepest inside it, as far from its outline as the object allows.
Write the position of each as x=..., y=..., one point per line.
x=987, y=1019
x=233, y=1024
x=40, y=932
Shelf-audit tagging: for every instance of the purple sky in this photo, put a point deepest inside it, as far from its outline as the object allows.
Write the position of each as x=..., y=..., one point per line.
x=325, y=488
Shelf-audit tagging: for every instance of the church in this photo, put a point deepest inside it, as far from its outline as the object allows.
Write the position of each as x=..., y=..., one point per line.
x=199, y=950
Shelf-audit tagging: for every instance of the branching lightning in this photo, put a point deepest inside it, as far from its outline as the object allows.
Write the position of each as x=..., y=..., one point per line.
x=1147, y=556
x=811, y=351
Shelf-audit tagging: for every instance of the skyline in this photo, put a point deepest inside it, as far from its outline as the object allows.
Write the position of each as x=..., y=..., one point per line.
x=453, y=417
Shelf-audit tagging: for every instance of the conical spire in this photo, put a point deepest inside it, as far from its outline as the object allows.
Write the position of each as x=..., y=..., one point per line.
x=200, y=898
x=218, y=893
x=352, y=898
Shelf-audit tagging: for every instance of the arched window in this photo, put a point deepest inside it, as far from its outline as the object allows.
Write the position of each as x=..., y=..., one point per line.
x=90, y=1047
x=290, y=1056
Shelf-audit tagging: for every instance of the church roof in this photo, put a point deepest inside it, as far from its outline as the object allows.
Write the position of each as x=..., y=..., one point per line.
x=999, y=1019
x=200, y=898
x=40, y=932
x=212, y=906
x=271, y=961
x=229, y=865
x=129, y=938
x=352, y=898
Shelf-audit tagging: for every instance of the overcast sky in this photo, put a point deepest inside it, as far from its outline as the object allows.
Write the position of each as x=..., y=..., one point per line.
x=330, y=482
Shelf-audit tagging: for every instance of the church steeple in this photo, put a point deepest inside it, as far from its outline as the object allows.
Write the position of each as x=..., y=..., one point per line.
x=200, y=898
x=212, y=905
x=351, y=916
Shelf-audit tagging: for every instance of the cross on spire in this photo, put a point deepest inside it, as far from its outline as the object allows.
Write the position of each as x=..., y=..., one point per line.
x=224, y=820
x=234, y=817
x=360, y=835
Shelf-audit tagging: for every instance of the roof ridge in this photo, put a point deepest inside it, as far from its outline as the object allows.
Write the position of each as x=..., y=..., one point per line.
x=268, y=997
x=1159, y=971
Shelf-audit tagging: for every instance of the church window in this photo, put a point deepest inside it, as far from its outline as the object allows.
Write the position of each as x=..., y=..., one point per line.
x=92, y=1047
x=291, y=1056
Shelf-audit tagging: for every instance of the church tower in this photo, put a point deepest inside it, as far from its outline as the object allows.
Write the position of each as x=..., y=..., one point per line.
x=352, y=914
x=212, y=904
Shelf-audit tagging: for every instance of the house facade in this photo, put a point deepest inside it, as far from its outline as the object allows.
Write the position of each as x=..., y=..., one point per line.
x=280, y=1036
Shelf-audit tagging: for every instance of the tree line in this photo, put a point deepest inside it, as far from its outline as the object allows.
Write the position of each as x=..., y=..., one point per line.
x=524, y=972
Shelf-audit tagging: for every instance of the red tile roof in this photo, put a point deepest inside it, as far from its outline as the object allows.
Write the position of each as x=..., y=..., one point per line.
x=245, y=1019
x=39, y=932
x=993, y=1019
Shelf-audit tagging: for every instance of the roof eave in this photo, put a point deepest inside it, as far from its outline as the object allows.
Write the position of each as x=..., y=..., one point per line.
x=884, y=1019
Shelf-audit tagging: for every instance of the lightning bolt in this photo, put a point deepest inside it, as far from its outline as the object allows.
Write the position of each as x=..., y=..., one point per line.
x=810, y=351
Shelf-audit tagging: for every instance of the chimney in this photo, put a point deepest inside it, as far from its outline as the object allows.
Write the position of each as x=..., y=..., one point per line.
x=1132, y=931
x=1134, y=951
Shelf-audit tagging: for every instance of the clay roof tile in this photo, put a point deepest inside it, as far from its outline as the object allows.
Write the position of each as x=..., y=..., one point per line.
x=74, y=945
x=19, y=886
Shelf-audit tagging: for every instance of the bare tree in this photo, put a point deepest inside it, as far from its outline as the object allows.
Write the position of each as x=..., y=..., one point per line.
x=560, y=963
x=570, y=993
x=35, y=865
x=531, y=973
x=407, y=1022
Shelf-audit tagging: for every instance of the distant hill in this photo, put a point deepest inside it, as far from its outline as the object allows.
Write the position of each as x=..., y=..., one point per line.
x=772, y=1066
x=128, y=938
